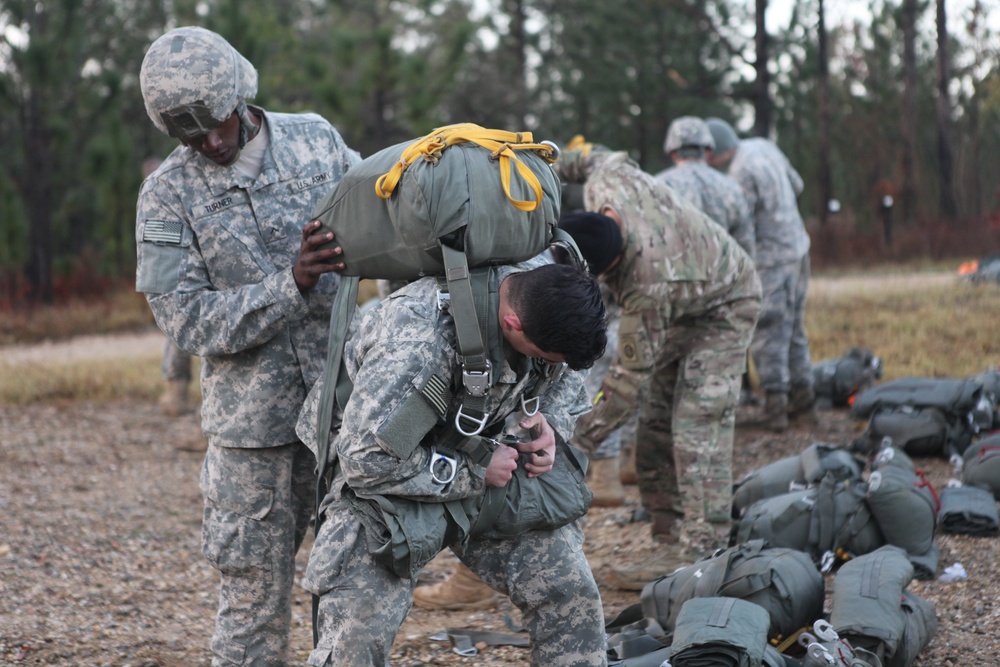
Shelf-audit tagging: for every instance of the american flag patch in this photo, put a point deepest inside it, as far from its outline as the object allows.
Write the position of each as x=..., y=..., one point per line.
x=436, y=391
x=162, y=232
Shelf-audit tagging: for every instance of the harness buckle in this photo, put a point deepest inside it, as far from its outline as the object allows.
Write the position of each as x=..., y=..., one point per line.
x=477, y=383
x=478, y=424
x=443, y=299
x=530, y=407
x=447, y=466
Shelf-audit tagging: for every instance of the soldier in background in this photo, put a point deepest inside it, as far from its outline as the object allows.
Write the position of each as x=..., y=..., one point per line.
x=690, y=297
x=689, y=142
x=780, y=346
x=232, y=272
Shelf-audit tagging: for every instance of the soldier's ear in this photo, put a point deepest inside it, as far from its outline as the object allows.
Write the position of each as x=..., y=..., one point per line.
x=610, y=211
x=512, y=322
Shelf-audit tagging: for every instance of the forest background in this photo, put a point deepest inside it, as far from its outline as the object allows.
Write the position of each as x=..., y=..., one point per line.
x=892, y=119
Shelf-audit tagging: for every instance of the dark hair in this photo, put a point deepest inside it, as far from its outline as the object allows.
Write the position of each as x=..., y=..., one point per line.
x=690, y=152
x=561, y=311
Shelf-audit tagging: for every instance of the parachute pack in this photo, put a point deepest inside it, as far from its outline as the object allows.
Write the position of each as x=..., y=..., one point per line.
x=844, y=515
x=795, y=473
x=838, y=381
x=925, y=416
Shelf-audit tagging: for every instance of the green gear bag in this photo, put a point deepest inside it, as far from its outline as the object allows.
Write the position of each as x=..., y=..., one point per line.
x=837, y=381
x=981, y=465
x=923, y=416
x=827, y=521
x=866, y=607
x=719, y=631
x=794, y=473
x=392, y=212
x=905, y=506
x=784, y=582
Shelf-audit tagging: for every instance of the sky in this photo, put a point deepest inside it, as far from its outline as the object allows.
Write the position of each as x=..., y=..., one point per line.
x=779, y=11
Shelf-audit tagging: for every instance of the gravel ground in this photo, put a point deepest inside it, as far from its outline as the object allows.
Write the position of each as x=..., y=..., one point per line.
x=100, y=559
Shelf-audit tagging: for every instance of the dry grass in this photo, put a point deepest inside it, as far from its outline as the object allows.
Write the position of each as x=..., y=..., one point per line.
x=119, y=310
x=920, y=324
x=98, y=380
x=926, y=323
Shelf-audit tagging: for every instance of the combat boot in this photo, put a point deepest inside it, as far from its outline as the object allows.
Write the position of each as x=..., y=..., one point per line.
x=776, y=411
x=462, y=591
x=174, y=400
x=666, y=526
x=802, y=404
x=666, y=559
x=605, y=483
x=628, y=475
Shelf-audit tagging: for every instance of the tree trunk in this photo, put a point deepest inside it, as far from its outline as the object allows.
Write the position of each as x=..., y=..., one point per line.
x=519, y=43
x=762, y=98
x=947, y=206
x=908, y=116
x=823, y=110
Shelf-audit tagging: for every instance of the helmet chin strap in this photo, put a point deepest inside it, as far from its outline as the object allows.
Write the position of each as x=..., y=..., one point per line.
x=248, y=128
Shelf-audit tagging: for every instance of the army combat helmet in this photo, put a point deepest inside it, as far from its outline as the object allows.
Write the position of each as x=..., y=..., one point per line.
x=192, y=80
x=688, y=131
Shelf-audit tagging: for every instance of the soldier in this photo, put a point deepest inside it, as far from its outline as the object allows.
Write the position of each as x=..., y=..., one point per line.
x=690, y=297
x=780, y=346
x=395, y=427
x=231, y=273
x=688, y=143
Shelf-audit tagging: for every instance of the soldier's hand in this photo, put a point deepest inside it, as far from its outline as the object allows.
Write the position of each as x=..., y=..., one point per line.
x=502, y=465
x=312, y=262
x=540, y=452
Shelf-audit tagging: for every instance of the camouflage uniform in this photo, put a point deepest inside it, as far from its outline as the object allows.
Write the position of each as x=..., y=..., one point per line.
x=215, y=255
x=780, y=346
x=690, y=297
x=176, y=364
x=716, y=195
x=401, y=343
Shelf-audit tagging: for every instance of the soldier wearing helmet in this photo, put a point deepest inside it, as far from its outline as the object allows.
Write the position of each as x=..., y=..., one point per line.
x=688, y=144
x=232, y=273
x=780, y=345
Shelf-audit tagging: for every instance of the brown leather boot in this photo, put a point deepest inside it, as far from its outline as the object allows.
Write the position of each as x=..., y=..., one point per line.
x=802, y=404
x=666, y=526
x=776, y=411
x=605, y=483
x=666, y=559
x=174, y=400
x=462, y=591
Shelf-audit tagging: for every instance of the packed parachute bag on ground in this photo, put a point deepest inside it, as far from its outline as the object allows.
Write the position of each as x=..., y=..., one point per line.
x=968, y=510
x=990, y=379
x=924, y=416
x=872, y=609
x=784, y=582
x=829, y=522
x=981, y=465
x=905, y=506
x=719, y=631
x=838, y=381
x=795, y=473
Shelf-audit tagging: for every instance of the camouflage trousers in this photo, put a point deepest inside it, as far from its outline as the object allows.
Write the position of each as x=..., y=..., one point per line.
x=684, y=444
x=362, y=604
x=624, y=437
x=780, y=346
x=176, y=363
x=258, y=505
